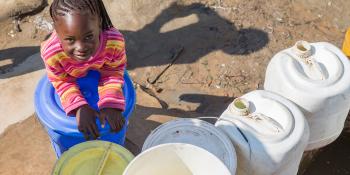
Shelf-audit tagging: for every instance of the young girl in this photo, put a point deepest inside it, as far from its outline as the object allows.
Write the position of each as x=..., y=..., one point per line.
x=84, y=39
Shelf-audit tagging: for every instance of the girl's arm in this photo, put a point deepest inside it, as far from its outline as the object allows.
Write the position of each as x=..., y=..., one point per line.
x=72, y=100
x=66, y=87
x=111, y=82
x=64, y=84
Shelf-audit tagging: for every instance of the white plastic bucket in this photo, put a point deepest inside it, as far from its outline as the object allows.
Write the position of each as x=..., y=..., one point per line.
x=176, y=159
x=196, y=132
x=268, y=131
x=315, y=76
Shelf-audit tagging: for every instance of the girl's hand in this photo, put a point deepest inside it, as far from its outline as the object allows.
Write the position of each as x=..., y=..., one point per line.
x=86, y=119
x=114, y=118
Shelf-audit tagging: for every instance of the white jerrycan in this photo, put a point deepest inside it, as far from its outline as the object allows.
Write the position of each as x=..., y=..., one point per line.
x=269, y=133
x=315, y=76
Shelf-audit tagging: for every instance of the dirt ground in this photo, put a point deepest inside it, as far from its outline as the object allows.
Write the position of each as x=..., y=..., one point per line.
x=212, y=50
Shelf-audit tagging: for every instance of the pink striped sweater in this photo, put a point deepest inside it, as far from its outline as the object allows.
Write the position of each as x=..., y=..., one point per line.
x=109, y=60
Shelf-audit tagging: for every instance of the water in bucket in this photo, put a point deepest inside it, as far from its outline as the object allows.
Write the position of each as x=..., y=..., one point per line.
x=315, y=76
x=176, y=159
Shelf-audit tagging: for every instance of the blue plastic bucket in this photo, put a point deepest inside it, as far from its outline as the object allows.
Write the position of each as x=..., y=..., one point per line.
x=62, y=129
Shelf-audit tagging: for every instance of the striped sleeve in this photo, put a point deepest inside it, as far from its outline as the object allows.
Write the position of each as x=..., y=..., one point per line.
x=64, y=84
x=111, y=82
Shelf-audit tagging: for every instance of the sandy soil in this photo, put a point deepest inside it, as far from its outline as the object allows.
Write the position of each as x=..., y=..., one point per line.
x=218, y=50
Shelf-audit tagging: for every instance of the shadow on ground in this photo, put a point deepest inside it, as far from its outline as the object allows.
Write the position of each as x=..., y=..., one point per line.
x=334, y=159
x=204, y=32
x=145, y=119
x=11, y=57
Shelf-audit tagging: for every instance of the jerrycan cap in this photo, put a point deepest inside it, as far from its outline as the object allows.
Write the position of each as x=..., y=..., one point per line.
x=302, y=49
x=239, y=106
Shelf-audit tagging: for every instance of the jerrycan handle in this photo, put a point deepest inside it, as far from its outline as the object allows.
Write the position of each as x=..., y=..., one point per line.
x=267, y=122
x=303, y=50
x=240, y=107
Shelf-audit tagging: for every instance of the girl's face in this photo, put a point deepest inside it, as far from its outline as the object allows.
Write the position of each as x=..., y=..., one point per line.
x=79, y=34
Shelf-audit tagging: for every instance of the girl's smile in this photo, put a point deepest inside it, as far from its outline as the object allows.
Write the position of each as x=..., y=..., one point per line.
x=79, y=34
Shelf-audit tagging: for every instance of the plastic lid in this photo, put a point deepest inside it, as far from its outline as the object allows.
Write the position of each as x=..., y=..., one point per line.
x=95, y=158
x=196, y=132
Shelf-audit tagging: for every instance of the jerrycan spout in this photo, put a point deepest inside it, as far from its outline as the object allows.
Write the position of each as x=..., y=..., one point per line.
x=303, y=50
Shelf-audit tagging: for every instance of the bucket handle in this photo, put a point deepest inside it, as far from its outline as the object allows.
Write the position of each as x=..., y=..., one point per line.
x=103, y=160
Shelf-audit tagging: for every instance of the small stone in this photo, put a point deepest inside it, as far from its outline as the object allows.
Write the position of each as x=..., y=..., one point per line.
x=279, y=20
x=269, y=29
x=11, y=33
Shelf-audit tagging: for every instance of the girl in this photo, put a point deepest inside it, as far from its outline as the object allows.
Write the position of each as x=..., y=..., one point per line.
x=84, y=39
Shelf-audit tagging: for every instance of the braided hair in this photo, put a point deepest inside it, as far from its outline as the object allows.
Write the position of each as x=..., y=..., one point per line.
x=63, y=7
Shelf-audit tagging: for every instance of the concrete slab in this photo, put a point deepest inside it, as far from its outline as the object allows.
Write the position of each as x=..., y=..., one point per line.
x=17, y=92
